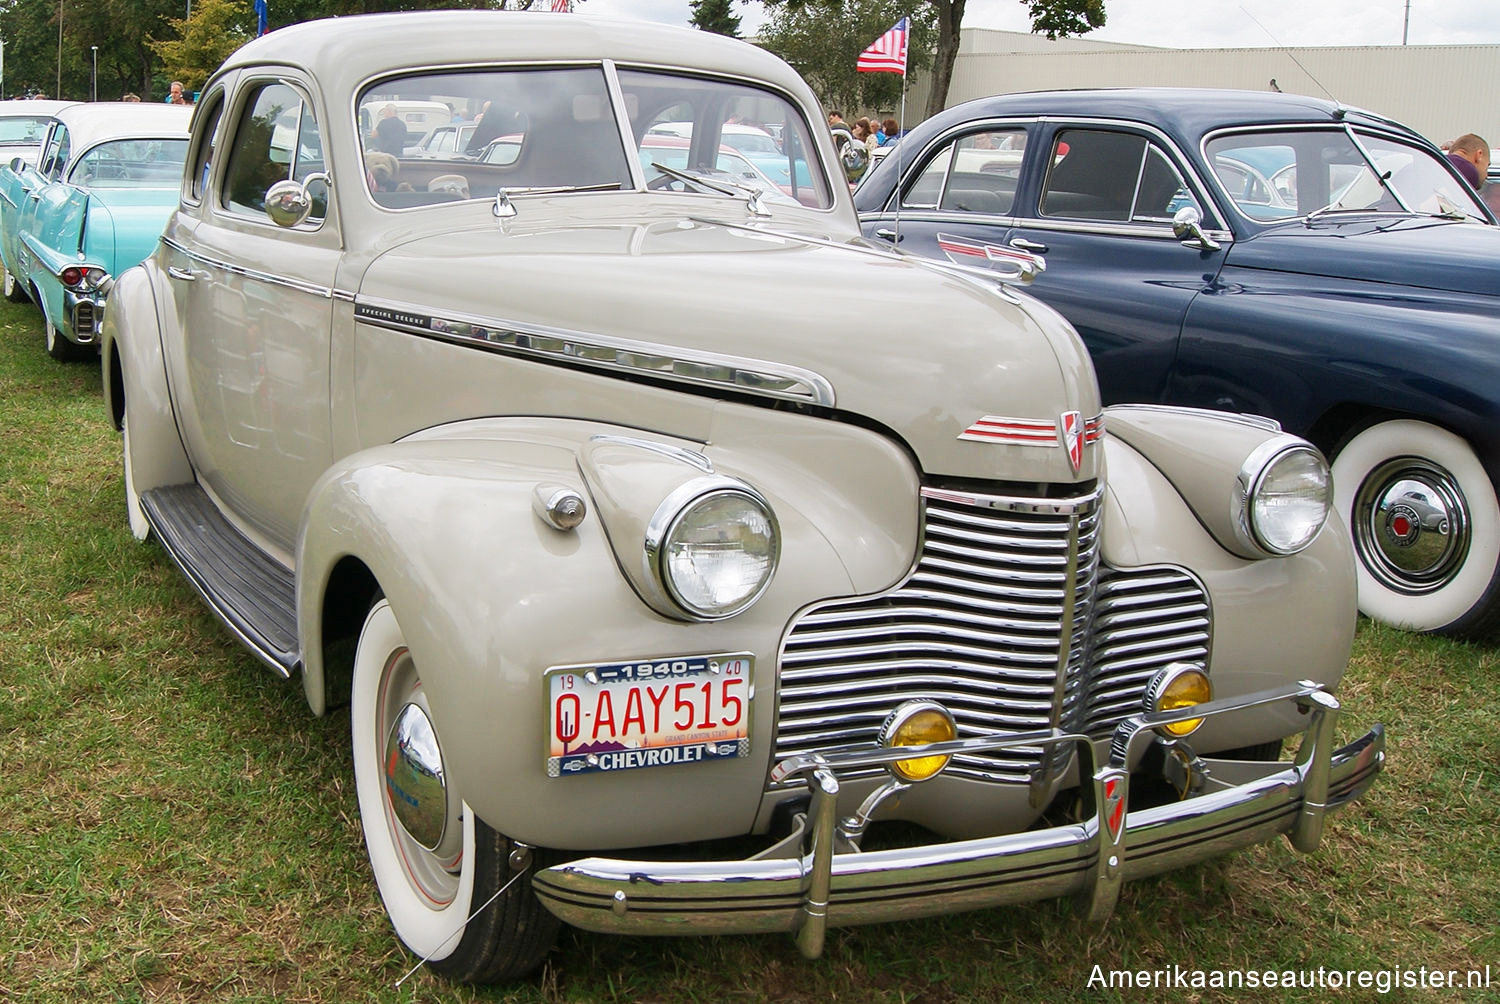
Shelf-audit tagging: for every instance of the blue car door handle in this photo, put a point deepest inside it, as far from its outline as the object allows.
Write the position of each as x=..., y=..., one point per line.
x=1023, y=244
x=886, y=233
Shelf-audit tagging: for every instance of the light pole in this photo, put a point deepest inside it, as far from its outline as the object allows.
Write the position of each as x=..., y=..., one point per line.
x=94, y=76
x=58, y=93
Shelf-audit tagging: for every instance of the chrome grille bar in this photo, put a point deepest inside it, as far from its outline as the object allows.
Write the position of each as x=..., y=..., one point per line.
x=1009, y=619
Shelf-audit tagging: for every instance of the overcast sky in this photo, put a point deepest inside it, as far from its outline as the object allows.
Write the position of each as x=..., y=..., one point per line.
x=1197, y=23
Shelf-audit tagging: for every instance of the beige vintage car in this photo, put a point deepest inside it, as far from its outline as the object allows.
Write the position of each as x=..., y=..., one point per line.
x=626, y=505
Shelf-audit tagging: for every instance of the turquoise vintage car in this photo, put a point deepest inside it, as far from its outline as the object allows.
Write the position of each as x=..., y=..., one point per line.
x=92, y=206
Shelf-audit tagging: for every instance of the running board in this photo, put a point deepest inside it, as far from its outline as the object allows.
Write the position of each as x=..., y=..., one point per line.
x=252, y=593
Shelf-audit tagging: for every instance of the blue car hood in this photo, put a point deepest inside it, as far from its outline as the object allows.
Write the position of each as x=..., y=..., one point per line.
x=1423, y=252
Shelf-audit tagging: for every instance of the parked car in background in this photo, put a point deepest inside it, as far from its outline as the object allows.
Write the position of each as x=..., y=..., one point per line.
x=22, y=126
x=93, y=206
x=1259, y=253
x=406, y=440
x=757, y=145
x=445, y=140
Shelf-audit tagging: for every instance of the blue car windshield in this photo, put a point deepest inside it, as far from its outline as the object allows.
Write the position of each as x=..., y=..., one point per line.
x=1276, y=175
x=131, y=163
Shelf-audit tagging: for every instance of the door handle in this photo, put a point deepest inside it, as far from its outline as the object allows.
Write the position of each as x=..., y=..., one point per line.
x=186, y=275
x=1022, y=244
x=886, y=233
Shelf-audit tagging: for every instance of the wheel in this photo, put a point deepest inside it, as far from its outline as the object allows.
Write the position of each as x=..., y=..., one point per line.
x=14, y=291
x=1426, y=528
x=435, y=864
x=140, y=527
x=59, y=347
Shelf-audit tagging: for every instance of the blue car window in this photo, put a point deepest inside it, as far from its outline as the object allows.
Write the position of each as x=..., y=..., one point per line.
x=983, y=172
x=1093, y=175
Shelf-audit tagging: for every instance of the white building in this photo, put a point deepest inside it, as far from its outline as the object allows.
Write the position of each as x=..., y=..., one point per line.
x=1442, y=91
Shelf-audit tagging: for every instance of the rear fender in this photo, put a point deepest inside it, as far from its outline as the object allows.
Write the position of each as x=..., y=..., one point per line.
x=134, y=372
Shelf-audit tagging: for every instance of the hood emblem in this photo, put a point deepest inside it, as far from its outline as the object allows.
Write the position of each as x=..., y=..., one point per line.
x=1070, y=431
x=1070, y=428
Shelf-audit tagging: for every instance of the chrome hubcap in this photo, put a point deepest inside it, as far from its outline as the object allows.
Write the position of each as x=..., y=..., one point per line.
x=414, y=784
x=1411, y=525
x=422, y=814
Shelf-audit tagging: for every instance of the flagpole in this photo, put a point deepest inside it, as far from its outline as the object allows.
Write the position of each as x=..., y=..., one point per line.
x=899, y=171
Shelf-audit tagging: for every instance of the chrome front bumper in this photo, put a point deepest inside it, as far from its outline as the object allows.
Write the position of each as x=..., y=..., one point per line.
x=825, y=885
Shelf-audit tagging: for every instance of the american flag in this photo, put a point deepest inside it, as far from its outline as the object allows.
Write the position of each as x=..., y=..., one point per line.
x=888, y=54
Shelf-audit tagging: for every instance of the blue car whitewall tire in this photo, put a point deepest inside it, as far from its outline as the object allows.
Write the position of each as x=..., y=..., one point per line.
x=1426, y=528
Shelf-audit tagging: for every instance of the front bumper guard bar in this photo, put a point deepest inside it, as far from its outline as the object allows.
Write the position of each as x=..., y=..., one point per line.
x=1089, y=860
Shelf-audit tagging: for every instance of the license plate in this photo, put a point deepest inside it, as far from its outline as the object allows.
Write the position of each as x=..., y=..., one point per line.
x=647, y=713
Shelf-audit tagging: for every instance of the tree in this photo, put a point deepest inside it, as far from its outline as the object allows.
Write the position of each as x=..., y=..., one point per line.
x=822, y=40
x=1054, y=18
x=716, y=16
x=215, y=29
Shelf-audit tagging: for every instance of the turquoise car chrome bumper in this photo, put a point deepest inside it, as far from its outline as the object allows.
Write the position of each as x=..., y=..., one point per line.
x=821, y=887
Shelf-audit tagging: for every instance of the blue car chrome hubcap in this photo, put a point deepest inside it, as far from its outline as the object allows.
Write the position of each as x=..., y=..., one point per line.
x=1411, y=525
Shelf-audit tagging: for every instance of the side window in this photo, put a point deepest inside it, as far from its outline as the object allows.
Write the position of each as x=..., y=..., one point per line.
x=275, y=139
x=986, y=166
x=55, y=157
x=203, y=156
x=1162, y=192
x=928, y=188
x=1093, y=175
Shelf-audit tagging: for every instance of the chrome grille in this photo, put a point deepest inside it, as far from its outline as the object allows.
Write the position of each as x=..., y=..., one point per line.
x=1143, y=620
x=984, y=625
x=1008, y=620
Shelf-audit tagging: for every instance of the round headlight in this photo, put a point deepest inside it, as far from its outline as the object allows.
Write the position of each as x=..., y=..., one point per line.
x=1288, y=500
x=917, y=723
x=1179, y=686
x=718, y=551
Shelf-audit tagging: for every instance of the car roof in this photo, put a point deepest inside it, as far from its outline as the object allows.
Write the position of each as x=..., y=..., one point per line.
x=345, y=52
x=96, y=121
x=1184, y=111
x=21, y=108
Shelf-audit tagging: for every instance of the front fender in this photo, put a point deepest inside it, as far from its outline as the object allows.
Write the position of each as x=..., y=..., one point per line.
x=489, y=598
x=1275, y=621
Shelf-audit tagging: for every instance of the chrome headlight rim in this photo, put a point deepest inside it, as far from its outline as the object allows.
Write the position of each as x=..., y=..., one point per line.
x=666, y=598
x=1254, y=472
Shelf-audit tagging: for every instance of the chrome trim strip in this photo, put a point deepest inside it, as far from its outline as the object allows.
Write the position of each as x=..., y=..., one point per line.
x=786, y=893
x=697, y=460
x=323, y=292
x=623, y=355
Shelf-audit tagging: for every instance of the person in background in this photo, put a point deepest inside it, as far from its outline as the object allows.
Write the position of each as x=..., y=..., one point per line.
x=1471, y=155
x=174, y=94
x=130, y=97
x=390, y=132
x=892, y=130
x=864, y=133
x=842, y=134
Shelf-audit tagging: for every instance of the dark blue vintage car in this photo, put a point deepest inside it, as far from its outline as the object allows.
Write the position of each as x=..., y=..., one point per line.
x=1263, y=253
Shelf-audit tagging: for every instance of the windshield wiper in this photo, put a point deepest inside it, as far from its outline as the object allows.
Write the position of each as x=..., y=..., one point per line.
x=503, y=207
x=724, y=186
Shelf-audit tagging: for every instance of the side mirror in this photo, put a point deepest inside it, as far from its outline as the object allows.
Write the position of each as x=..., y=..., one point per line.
x=17, y=164
x=289, y=203
x=1187, y=225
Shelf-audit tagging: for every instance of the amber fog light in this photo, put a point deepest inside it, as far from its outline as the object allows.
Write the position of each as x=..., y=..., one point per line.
x=917, y=723
x=1176, y=687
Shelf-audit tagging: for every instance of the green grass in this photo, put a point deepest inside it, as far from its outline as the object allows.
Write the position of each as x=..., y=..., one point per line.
x=175, y=826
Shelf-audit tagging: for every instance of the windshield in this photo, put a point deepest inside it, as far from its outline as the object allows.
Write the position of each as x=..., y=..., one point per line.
x=22, y=129
x=131, y=163
x=470, y=134
x=1276, y=175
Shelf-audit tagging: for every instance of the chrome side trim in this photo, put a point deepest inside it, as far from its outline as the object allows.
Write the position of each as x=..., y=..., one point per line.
x=817, y=887
x=598, y=351
x=323, y=292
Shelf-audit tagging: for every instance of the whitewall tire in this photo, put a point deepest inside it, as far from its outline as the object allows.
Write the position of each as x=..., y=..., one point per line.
x=14, y=291
x=140, y=527
x=435, y=870
x=1426, y=528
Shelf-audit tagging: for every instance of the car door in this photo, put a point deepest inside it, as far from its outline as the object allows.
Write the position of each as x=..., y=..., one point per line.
x=958, y=197
x=22, y=191
x=1100, y=210
x=248, y=359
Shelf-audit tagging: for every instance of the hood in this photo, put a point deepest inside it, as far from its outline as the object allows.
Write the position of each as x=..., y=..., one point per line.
x=925, y=353
x=1423, y=252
